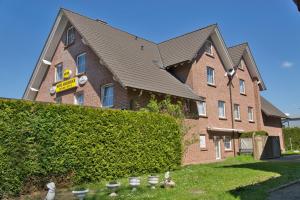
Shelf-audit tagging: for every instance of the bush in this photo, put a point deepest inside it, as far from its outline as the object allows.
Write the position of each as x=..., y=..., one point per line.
x=250, y=133
x=39, y=140
x=292, y=136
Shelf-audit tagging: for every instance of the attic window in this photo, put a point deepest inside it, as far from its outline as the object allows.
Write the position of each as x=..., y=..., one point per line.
x=70, y=35
x=208, y=47
x=242, y=65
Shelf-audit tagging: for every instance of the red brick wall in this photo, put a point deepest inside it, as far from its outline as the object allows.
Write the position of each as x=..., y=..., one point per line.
x=97, y=74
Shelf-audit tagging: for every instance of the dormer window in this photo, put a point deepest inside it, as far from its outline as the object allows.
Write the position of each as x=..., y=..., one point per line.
x=70, y=35
x=208, y=47
x=242, y=65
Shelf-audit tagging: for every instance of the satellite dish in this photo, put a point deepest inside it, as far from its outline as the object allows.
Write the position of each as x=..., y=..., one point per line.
x=230, y=72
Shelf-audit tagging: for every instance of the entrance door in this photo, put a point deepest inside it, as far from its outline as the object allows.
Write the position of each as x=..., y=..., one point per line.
x=218, y=148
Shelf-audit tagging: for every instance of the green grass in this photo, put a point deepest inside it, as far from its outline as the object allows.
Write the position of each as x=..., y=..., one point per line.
x=288, y=153
x=236, y=178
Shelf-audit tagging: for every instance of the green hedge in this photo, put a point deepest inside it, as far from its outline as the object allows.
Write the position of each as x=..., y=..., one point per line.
x=39, y=140
x=292, y=135
x=250, y=133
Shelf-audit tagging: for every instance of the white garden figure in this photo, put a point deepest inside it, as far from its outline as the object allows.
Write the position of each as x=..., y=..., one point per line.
x=51, y=191
x=168, y=182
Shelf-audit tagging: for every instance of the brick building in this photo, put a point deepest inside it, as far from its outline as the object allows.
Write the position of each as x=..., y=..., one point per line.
x=88, y=62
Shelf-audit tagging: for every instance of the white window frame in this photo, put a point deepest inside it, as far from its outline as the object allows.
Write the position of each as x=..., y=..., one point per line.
x=250, y=114
x=208, y=42
x=230, y=143
x=242, y=64
x=238, y=111
x=77, y=58
x=76, y=98
x=224, y=108
x=56, y=73
x=68, y=31
x=243, y=88
x=204, y=108
x=102, y=95
x=202, y=141
x=213, y=75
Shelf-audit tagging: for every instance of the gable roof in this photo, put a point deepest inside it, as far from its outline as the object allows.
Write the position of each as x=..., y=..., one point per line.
x=243, y=51
x=269, y=109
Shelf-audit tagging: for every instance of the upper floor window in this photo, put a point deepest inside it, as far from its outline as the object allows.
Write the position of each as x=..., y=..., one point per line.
x=221, y=108
x=107, y=95
x=201, y=105
x=236, y=111
x=210, y=76
x=79, y=98
x=250, y=114
x=227, y=143
x=208, y=47
x=242, y=87
x=59, y=72
x=70, y=35
x=81, y=63
x=242, y=64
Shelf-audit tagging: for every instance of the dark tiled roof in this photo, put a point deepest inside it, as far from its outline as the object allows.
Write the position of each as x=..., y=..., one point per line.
x=269, y=109
x=236, y=53
x=184, y=47
x=134, y=61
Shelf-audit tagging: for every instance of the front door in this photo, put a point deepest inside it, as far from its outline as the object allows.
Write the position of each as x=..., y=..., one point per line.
x=218, y=148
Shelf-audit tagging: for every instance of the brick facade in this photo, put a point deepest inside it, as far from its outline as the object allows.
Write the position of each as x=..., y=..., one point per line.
x=194, y=75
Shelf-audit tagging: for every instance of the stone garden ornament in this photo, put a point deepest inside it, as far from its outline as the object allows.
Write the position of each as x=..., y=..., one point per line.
x=51, y=191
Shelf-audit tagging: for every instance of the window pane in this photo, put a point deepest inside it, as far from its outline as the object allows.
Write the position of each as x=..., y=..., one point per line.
x=70, y=35
x=250, y=114
x=210, y=75
x=79, y=99
x=227, y=143
x=208, y=47
x=201, y=105
x=59, y=72
x=108, y=96
x=81, y=63
x=236, y=111
x=242, y=86
x=221, y=106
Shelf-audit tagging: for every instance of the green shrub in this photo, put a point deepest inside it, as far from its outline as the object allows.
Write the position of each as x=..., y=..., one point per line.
x=292, y=138
x=39, y=140
x=250, y=133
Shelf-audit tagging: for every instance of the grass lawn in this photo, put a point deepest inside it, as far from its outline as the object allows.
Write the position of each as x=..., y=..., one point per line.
x=236, y=178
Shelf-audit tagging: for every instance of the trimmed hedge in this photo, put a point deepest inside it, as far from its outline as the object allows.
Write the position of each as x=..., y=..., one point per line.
x=82, y=144
x=257, y=133
x=292, y=135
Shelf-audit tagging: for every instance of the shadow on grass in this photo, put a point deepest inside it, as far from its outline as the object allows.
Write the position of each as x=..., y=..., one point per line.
x=287, y=172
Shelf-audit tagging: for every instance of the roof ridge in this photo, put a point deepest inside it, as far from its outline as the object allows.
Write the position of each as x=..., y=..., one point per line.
x=244, y=43
x=107, y=24
x=199, y=29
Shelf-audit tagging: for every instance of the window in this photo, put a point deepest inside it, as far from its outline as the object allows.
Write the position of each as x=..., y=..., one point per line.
x=107, y=94
x=242, y=64
x=79, y=99
x=201, y=106
x=70, y=35
x=221, y=108
x=227, y=143
x=81, y=63
x=208, y=47
x=242, y=87
x=250, y=114
x=210, y=76
x=202, y=140
x=58, y=72
x=58, y=100
x=237, y=115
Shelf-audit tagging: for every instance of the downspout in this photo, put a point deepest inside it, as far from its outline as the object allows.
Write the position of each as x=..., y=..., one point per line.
x=232, y=114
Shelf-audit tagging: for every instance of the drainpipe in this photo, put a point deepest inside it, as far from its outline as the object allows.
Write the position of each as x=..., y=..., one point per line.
x=232, y=114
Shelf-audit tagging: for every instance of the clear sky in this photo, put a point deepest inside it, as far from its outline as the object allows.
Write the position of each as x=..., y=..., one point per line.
x=272, y=28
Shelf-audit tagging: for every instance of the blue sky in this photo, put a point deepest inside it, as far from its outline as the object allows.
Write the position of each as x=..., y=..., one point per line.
x=271, y=27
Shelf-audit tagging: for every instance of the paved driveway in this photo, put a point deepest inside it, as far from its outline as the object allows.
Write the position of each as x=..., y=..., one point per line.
x=291, y=192
x=291, y=158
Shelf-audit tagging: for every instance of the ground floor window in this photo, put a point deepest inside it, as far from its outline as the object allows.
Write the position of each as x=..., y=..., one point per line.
x=79, y=98
x=107, y=95
x=58, y=100
x=202, y=139
x=228, y=143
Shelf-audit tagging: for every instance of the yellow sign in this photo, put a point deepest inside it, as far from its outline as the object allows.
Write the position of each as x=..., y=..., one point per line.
x=67, y=73
x=66, y=85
